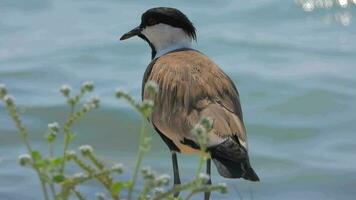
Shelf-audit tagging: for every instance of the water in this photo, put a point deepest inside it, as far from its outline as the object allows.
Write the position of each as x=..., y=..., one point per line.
x=295, y=71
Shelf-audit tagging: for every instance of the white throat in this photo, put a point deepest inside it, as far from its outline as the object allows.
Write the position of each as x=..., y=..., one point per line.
x=166, y=38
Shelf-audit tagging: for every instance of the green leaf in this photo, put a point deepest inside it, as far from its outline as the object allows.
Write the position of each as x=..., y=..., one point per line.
x=127, y=184
x=36, y=155
x=59, y=178
x=40, y=164
x=116, y=187
x=71, y=137
x=147, y=140
x=51, y=137
x=57, y=161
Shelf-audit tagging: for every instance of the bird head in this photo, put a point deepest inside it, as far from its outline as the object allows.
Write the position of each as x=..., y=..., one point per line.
x=164, y=28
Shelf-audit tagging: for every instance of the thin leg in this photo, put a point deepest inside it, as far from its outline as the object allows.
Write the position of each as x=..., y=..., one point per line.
x=208, y=172
x=175, y=171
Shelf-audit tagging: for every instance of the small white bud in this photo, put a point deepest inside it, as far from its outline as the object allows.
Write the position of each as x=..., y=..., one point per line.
x=158, y=190
x=204, y=177
x=25, y=159
x=118, y=167
x=87, y=107
x=86, y=150
x=70, y=155
x=223, y=187
x=151, y=87
x=145, y=170
x=88, y=86
x=163, y=179
x=95, y=101
x=146, y=107
x=199, y=130
x=207, y=122
x=148, y=173
x=146, y=103
x=53, y=127
x=120, y=93
x=3, y=90
x=79, y=175
x=65, y=90
x=100, y=196
x=9, y=100
x=200, y=134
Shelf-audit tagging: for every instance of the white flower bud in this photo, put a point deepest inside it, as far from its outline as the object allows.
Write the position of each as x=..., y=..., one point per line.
x=145, y=170
x=147, y=103
x=100, y=196
x=148, y=173
x=53, y=127
x=79, y=175
x=163, y=179
x=70, y=155
x=86, y=150
x=65, y=90
x=25, y=159
x=198, y=130
x=9, y=100
x=120, y=93
x=87, y=107
x=119, y=168
x=88, y=86
x=95, y=101
x=204, y=177
x=151, y=87
x=207, y=122
x=158, y=190
x=223, y=187
x=3, y=90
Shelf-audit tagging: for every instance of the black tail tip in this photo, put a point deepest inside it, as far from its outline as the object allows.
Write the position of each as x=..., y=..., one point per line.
x=251, y=175
x=229, y=169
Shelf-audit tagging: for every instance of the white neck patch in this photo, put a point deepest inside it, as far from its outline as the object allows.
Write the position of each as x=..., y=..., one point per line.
x=166, y=38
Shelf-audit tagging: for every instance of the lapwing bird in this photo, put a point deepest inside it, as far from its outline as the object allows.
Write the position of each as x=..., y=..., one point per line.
x=192, y=86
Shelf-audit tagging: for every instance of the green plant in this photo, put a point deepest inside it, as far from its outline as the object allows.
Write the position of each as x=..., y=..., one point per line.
x=58, y=184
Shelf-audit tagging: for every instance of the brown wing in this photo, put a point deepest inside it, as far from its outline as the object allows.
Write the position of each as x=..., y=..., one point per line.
x=191, y=87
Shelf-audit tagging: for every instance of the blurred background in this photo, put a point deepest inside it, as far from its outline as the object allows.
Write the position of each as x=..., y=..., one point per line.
x=293, y=63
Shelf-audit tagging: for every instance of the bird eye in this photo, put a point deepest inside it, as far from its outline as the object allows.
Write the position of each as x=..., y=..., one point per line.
x=151, y=22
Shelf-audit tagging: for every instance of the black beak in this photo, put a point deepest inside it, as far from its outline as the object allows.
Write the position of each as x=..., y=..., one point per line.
x=134, y=32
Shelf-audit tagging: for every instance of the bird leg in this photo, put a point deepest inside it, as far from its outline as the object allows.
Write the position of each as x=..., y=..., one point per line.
x=208, y=172
x=175, y=172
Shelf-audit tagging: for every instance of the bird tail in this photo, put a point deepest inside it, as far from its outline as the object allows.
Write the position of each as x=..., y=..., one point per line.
x=230, y=169
x=232, y=161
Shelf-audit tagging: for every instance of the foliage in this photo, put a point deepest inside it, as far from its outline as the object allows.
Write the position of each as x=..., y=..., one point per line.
x=58, y=184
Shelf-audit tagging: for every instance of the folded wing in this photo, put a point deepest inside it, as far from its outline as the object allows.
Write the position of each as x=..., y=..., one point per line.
x=192, y=87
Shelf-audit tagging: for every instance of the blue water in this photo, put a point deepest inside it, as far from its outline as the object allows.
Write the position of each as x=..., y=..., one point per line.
x=294, y=66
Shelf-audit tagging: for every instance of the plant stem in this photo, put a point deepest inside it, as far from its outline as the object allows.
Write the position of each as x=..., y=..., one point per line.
x=24, y=133
x=96, y=161
x=44, y=189
x=202, y=159
x=202, y=189
x=67, y=132
x=200, y=166
x=51, y=185
x=78, y=194
x=173, y=190
x=138, y=159
x=53, y=191
x=50, y=148
x=102, y=177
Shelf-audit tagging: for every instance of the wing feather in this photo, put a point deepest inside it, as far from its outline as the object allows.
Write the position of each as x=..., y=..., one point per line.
x=191, y=87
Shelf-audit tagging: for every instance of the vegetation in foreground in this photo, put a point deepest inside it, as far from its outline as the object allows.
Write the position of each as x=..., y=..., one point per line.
x=58, y=183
